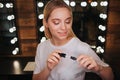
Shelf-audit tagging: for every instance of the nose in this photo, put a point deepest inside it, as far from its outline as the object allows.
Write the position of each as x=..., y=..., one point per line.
x=63, y=26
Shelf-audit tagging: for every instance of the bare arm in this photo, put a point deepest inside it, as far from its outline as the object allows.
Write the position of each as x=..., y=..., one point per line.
x=52, y=61
x=106, y=73
x=89, y=63
x=43, y=75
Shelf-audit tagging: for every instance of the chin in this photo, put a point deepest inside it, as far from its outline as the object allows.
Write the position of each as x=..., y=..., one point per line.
x=63, y=37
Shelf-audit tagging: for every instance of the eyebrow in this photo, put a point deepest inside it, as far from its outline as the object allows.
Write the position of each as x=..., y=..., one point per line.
x=59, y=19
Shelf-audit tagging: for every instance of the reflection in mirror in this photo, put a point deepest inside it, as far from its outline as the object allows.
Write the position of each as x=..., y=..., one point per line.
x=89, y=21
x=8, y=31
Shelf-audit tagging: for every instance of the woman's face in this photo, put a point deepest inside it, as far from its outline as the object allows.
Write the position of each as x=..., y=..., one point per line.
x=60, y=23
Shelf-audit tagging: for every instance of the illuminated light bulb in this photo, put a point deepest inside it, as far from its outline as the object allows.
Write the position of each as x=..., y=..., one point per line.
x=103, y=3
x=99, y=37
x=94, y=4
x=101, y=27
x=83, y=4
x=40, y=4
x=1, y=5
x=103, y=16
x=15, y=51
x=10, y=17
x=67, y=2
x=102, y=50
x=9, y=5
x=43, y=39
x=11, y=30
x=72, y=3
x=102, y=39
x=99, y=49
x=14, y=28
x=41, y=16
x=14, y=40
x=42, y=28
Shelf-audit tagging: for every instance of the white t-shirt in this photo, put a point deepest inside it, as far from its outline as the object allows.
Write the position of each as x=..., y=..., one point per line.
x=67, y=69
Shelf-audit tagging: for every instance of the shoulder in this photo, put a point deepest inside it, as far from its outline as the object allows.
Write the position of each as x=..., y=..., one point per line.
x=43, y=44
x=80, y=43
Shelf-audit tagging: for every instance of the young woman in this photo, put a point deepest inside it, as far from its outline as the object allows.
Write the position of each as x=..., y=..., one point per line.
x=63, y=56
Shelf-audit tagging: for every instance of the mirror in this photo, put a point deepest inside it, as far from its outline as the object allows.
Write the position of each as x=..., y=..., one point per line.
x=89, y=21
x=8, y=31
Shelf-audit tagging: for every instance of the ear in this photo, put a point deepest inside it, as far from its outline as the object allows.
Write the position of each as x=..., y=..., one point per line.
x=44, y=23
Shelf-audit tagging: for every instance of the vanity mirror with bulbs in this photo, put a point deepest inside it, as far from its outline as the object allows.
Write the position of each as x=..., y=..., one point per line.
x=8, y=31
x=89, y=22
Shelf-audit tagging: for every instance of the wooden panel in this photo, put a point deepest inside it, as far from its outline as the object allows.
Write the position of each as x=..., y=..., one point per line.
x=28, y=33
x=113, y=28
x=113, y=6
x=113, y=32
x=25, y=6
x=113, y=41
x=26, y=21
x=28, y=47
x=112, y=54
x=114, y=18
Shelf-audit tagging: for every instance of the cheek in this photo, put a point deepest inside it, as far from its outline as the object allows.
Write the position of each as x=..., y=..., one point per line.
x=53, y=29
x=69, y=30
x=69, y=27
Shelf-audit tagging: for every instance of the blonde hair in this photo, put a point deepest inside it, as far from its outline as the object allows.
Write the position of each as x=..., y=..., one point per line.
x=50, y=6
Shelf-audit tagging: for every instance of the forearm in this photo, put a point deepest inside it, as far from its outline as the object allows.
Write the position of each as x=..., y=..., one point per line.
x=106, y=73
x=43, y=75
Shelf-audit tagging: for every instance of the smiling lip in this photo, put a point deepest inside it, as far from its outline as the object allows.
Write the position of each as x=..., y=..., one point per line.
x=63, y=33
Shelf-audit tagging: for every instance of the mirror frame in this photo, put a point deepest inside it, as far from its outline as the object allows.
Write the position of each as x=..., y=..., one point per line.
x=99, y=11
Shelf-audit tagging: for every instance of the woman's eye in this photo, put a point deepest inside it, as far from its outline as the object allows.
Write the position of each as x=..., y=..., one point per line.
x=67, y=22
x=56, y=22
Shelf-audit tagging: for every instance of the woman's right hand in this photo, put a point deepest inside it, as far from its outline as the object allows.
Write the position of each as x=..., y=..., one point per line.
x=53, y=59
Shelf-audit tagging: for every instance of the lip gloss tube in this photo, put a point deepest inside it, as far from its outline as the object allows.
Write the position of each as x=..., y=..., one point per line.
x=62, y=55
x=73, y=58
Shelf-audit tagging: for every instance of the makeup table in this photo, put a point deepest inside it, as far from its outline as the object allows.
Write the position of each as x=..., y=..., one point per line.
x=13, y=68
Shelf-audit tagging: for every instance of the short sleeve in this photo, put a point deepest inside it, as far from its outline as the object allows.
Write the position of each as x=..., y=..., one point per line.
x=97, y=58
x=37, y=61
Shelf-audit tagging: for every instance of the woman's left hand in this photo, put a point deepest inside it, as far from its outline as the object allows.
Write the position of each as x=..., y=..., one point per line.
x=88, y=63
